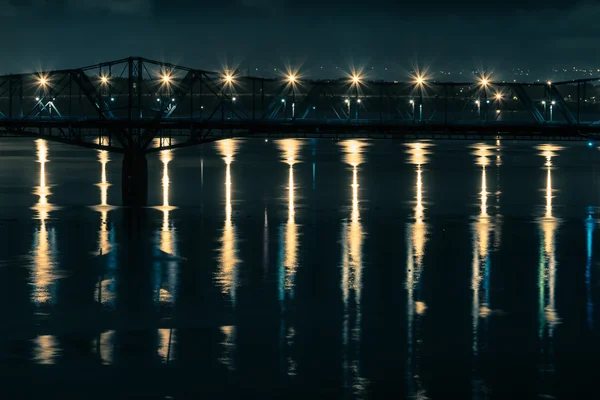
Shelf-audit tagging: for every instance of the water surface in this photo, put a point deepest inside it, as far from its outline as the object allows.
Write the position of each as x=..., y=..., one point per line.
x=296, y=268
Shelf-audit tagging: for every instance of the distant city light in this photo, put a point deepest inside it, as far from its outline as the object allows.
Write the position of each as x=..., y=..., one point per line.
x=549, y=83
x=233, y=98
x=283, y=100
x=543, y=102
x=346, y=101
x=477, y=102
x=359, y=100
x=498, y=96
x=112, y=99
x=590, y=144
x=553, y=102
x=173, y=100
x=37, y=99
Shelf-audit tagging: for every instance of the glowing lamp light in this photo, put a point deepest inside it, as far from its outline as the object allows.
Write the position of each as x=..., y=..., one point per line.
x=228, y=78
x=484, y=82
x=346, y=101
x=166, y=78
x=412, y=102
x=549, y=83
x=234, y=99
x=590, y=144
x=283, y=100
x=359, y=101
x=543, y=102
x=37, y=99
x=553, y=102
x=292, y=78
x=420, y=80
x=477, y=102
x=43, y=81
x=498, y=96
x=104, y=79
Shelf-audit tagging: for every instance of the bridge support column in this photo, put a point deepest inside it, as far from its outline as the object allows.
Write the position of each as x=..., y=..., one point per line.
x=134, y=181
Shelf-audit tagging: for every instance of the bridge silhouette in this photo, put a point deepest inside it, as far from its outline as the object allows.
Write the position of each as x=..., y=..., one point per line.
x=136, y=106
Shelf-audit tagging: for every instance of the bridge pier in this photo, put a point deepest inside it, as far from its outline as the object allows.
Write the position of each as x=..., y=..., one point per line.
x=134, y=181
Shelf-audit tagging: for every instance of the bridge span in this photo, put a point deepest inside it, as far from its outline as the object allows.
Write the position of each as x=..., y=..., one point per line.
x=135, y=106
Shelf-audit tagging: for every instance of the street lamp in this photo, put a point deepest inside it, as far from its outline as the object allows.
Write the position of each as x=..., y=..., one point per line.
x=356, y=82
x=228, y=81
x=292, y=79
x=420, y=81
x=484, y=82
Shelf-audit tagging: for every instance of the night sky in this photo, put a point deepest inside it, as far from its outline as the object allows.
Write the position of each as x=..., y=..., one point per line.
x=265, y=34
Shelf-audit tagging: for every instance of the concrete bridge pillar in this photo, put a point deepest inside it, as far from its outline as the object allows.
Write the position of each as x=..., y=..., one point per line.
x=134, y=182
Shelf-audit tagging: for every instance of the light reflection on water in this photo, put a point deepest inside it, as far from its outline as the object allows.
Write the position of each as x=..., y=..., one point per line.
x=105, y=287
x=44, y=250
x=352, y=237
x=166, y=265
x=289, y=238
x=416, y=237
x=482, y=228
x=547, y=273
x=357, y=293
x=548, y=265
x=227, y=275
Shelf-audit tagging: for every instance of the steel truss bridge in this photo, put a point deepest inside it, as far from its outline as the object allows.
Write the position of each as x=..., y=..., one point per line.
x=136, y=106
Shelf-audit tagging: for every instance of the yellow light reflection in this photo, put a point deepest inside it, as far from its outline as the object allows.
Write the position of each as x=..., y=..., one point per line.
x=167, y=238
x=227, y=276
x=167, y=339
x=44, y=246
x=548, y=264
x=104, y=347
x=416, y=237
x=104, y=242
x=104, y=291
x=352, y=265
x=45, y=349
x=228, y=344
x=167, y=232
x=290, y=150
x=482, y=229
